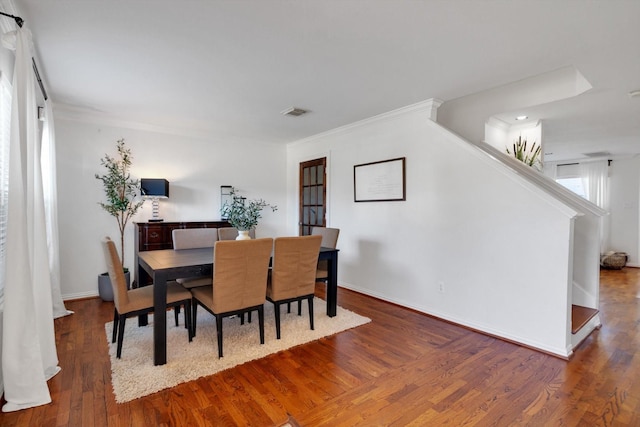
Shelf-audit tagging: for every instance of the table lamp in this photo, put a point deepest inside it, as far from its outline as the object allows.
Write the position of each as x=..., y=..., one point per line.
x=155, y=189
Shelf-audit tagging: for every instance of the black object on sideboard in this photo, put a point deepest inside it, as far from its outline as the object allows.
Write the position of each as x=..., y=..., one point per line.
x=151, y=236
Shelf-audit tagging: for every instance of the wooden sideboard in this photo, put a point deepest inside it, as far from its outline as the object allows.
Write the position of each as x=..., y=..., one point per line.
x=151, y=236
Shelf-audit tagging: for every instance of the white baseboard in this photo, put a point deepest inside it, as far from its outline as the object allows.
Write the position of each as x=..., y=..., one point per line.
x=79, y=295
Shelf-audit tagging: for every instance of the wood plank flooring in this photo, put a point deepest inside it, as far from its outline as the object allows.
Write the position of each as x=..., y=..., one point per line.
x=402, y=369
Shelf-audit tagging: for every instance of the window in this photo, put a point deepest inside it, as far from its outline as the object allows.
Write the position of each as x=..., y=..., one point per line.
x=574, y=184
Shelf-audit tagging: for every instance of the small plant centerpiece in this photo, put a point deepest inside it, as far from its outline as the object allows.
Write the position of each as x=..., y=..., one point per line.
x=244, y=214
x=120, y=189
x=530, y=157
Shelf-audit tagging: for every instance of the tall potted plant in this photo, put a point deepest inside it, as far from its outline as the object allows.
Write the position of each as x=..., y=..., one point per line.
x=120, y=191
x=244, y=214
x=529, y=157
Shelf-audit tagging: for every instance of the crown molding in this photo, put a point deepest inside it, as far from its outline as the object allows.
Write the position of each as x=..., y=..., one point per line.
x=428, y=106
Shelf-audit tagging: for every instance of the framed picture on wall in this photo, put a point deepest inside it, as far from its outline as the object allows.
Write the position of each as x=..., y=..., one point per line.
x=382, y=181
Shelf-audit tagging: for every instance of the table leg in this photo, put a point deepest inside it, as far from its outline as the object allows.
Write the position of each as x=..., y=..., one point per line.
x=159, y=319
x=142, y=319
x=332, y=284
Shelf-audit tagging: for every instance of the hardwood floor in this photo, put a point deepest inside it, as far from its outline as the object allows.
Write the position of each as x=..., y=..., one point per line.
x=403, y=368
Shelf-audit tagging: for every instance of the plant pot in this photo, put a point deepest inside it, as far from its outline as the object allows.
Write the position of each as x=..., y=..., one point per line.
x=243, y=235
x=105, y=290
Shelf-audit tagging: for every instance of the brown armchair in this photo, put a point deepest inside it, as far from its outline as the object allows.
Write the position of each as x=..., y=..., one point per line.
x=240, y=269
x=134, y=302
x=293, y=275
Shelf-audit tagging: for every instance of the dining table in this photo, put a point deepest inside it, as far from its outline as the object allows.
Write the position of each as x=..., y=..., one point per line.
x=170, y=264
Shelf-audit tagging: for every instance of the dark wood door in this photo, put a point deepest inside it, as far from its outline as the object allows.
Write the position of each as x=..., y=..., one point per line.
x=313, y=195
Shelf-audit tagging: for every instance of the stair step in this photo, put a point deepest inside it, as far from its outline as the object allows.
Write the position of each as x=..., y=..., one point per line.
x=580, y=316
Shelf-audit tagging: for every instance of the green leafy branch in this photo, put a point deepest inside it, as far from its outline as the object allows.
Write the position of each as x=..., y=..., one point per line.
x=244, y=214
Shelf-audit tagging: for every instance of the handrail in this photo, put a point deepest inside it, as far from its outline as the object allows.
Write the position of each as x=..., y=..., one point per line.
x=551, y=187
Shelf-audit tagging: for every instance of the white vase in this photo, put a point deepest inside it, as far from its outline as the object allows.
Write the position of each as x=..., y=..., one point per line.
x=243, y=235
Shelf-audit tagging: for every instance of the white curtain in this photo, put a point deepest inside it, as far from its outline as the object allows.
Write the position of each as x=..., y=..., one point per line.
x=29, y=356
x=550, y=170
x=50, y=193
x=595, y=181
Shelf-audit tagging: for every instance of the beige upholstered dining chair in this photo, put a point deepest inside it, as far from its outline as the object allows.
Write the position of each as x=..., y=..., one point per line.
x=329, y=240
x=134, y=302
x=230, y=233
x=240, y=269
x=193, y=238
x=293, y=273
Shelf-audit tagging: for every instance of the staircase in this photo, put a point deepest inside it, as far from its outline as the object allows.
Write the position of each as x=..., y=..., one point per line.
x=580, y=316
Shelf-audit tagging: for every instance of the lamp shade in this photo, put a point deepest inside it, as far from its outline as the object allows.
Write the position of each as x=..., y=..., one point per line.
x=154, y=187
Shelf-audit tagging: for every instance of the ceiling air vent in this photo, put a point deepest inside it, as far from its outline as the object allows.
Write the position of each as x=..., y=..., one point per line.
x=294, y=111
x=597, y=154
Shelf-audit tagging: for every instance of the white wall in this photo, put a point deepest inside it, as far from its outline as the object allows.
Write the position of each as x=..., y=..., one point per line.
x=195, y=168
x=624, y=184
x=466, y=224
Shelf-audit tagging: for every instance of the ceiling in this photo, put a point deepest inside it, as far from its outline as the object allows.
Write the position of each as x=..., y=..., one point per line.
x=225, y=70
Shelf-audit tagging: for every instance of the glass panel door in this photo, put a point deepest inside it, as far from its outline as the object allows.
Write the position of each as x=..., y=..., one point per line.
x=313, y=195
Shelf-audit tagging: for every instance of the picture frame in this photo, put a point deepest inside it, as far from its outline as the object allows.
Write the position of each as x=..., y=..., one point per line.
x=381, y=181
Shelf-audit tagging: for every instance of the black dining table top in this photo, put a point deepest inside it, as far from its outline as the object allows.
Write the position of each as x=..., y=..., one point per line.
x=170, y=258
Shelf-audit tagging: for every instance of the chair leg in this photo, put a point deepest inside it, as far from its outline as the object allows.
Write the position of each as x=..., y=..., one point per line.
x=219, y=334
x=261, y=322
x=194, y=318
x=299, y=307
x=310, y=299
x=120, y=335
x=115, y=325
x=276, y=313
x=187, y=318
x=289, y=307
x=176, y=312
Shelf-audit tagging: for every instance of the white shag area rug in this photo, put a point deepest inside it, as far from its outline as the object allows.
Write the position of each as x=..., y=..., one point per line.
x=134, y=375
